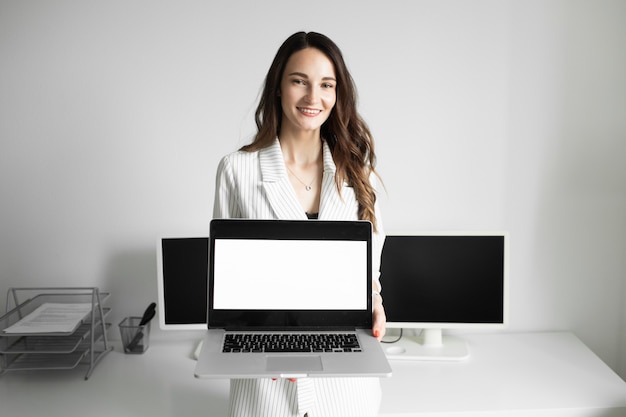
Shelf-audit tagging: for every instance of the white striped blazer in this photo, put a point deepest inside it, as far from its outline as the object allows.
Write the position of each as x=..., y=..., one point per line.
x=255, y=185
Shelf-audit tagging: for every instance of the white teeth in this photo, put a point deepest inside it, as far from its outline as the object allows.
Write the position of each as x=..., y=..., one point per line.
x=309, y=111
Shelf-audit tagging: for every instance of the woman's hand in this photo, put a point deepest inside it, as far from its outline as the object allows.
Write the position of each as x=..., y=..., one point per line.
x=379, y=324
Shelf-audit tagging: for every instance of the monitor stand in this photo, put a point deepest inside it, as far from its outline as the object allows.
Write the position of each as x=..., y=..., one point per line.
x=430, y=345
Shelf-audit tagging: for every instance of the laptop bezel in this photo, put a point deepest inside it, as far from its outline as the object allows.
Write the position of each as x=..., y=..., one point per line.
x=289, y=319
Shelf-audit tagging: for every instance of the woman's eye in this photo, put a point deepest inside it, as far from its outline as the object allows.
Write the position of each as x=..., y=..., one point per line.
x=328, y=85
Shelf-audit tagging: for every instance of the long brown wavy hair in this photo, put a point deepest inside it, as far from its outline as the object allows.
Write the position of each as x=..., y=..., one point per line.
x=346, y=133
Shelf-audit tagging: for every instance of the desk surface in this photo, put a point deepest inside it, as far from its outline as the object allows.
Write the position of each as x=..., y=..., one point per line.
x=539, y=374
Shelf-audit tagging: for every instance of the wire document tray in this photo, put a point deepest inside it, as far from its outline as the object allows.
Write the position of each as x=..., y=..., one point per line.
x=83, y=342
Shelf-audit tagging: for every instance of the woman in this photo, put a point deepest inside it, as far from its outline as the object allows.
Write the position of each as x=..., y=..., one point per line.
x=312, y=157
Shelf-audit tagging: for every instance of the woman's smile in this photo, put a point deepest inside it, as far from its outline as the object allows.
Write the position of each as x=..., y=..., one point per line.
x=309, y=112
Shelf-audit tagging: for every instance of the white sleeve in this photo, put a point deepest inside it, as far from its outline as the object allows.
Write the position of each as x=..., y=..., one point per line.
x=378, y=240
x=226, y=204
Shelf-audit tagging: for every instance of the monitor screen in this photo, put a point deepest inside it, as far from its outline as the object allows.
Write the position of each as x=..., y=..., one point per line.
x=182, y=265
x=437, y=281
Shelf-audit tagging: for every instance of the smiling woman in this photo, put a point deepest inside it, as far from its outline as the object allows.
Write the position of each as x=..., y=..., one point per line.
x=312, y=158
x=344, y=131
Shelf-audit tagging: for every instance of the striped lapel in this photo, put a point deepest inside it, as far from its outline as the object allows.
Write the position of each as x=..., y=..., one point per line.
x=333, y=205
x=280, y=194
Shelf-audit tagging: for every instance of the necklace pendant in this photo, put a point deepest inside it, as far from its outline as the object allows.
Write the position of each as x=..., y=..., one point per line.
x=307, y=187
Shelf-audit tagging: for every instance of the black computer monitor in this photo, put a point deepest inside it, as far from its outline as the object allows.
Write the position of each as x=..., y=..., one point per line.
x=438, y=281
x=182, y=265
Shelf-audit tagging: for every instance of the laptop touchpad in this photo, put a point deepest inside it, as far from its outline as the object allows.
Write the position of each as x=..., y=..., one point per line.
x=294, y=363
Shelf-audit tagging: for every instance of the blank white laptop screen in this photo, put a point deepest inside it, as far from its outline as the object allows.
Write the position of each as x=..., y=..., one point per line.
x=288, y=274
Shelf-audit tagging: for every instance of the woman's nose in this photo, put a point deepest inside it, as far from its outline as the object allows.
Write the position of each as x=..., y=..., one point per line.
x=311, y=94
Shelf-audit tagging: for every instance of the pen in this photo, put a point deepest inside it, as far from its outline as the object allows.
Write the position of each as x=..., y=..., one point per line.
x=145, y=319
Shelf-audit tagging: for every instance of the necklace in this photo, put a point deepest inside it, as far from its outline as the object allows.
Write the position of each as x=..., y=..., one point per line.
x=306, y=187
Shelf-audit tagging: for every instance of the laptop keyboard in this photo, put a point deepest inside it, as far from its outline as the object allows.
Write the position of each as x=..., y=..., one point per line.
x=286, y=342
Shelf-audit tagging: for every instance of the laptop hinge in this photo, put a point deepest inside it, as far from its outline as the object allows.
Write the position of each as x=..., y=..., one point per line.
x=291, y=329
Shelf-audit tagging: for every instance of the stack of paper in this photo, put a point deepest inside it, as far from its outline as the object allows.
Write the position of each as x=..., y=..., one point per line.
x=52, y=318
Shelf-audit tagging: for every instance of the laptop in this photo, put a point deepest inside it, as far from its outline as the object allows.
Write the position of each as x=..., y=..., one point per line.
x=290, y=299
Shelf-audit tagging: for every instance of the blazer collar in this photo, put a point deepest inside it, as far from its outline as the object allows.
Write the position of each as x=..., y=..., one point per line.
x=272, y=163
x=280, y=192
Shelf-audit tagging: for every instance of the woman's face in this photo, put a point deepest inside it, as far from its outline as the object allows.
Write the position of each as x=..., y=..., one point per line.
x=307, y=91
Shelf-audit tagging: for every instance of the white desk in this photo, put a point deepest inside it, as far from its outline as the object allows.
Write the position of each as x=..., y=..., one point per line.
x=538, y=374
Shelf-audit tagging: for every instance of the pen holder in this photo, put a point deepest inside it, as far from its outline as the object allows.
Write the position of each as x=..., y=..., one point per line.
x=135, y=338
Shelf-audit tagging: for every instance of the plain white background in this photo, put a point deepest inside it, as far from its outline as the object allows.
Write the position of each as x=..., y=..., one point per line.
x=488, y=115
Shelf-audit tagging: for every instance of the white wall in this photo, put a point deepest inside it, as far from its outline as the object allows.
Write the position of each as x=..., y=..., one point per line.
x=567, y=188
x=488, y=115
